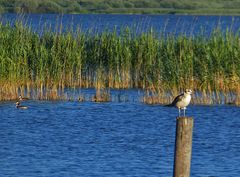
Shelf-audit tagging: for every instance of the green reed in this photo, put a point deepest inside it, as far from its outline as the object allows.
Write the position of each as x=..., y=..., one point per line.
x=51, y=61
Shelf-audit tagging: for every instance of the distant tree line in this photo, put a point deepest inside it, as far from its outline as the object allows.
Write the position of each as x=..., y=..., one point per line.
x=118, y=6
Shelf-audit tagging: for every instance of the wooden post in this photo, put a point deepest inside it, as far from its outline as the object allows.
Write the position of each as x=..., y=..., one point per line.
x=183, y=147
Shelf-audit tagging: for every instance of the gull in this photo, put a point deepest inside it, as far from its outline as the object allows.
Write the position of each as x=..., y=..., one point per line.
x=182, y=101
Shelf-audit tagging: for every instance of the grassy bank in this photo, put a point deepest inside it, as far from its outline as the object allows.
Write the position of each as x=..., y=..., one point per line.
x=45, y=64
x=213, y=7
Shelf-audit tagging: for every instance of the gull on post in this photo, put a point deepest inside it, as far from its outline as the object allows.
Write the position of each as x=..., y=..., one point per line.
x=182, y=101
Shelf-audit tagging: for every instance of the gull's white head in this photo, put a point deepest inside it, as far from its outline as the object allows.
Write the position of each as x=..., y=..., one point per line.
x=188, y=91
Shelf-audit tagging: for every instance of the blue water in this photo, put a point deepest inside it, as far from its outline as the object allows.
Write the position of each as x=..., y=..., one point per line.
x=120, y=138
x=175, y=24
x=62, y=138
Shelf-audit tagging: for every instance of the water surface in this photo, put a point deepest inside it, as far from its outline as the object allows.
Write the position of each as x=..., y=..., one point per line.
x=96, y=23
x=63, y=138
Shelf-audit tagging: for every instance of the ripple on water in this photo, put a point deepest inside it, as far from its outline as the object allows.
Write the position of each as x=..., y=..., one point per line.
x=113, y=139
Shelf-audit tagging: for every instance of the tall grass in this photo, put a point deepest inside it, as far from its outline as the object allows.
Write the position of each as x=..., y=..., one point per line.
x=42, y=65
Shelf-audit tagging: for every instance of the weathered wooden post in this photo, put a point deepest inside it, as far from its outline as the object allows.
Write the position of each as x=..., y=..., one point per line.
x=183, y=147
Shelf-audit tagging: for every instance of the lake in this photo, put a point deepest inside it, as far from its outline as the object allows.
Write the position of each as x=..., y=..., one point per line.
x=118, y=138
x=123, y=137
x=175, y=24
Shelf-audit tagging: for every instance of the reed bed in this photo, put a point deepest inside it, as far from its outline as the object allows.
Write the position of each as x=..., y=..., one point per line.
x=42, y=65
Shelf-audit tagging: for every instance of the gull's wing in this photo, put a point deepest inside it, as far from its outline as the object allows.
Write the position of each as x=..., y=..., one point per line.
x=177, y=99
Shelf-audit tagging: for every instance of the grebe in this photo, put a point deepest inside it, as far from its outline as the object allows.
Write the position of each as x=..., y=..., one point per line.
x=19, y=106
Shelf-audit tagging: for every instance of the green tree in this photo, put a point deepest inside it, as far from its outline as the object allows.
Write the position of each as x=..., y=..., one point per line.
x=25, y=6
x=47, y=6
x=73, y=8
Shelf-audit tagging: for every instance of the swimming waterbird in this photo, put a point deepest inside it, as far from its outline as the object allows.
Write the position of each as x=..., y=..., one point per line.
x=21, y=98
x=20, y=106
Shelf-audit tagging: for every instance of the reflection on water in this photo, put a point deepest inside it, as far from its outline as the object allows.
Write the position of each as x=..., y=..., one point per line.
x=113, y=139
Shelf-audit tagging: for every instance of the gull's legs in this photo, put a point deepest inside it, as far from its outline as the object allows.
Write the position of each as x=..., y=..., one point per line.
x=184, y=111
